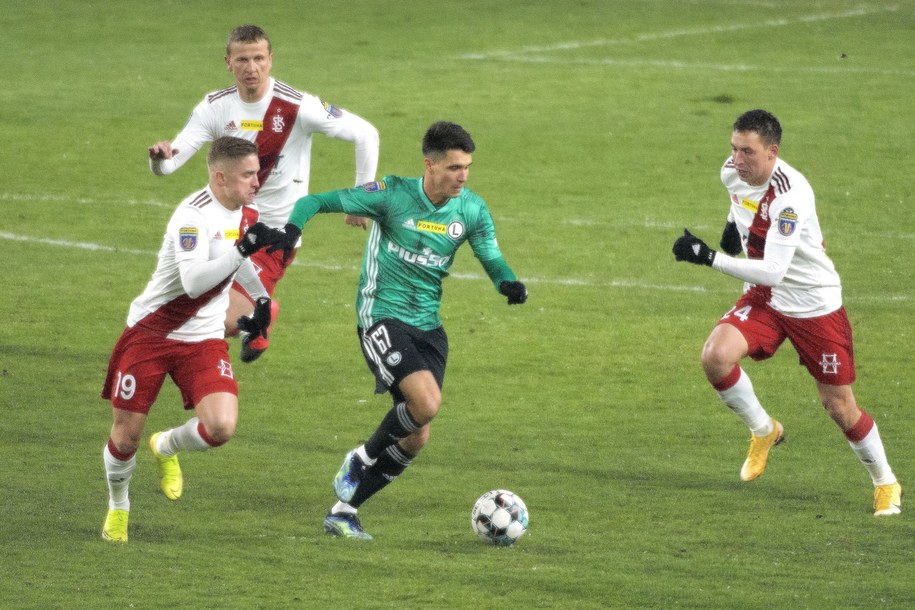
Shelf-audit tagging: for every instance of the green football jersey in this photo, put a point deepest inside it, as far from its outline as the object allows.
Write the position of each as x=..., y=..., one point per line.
x=411, y=245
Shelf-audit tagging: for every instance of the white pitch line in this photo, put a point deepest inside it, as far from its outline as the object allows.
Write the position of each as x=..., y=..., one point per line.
x=569, y=281
x=55, y=197
x=670, y=34
x=682, y=65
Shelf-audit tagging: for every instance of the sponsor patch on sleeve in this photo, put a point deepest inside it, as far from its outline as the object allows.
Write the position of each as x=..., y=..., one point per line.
x=374, y=187
x=332, y=111
x=787, y=222
x=187, y=237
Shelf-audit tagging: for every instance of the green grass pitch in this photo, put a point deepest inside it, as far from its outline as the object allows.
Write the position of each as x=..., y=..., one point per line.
x=600, y=130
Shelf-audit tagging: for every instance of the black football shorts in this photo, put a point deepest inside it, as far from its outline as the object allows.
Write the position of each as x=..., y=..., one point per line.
x=393, y=350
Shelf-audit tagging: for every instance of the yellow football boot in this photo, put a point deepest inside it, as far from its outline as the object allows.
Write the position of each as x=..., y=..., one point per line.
x=115, y=528
x=758, y=453
x=172, y=482
x=887, y=499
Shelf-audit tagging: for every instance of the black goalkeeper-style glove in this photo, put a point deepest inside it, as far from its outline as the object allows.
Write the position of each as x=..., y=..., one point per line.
x=730, y=240
x=256, y=237
x=690, y=248
x=515, y=291
x=259, y=321
x=289, y=237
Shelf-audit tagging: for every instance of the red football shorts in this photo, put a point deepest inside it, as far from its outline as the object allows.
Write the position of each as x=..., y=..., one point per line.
x=824, y=343
x=270, y=269
x=141, y=360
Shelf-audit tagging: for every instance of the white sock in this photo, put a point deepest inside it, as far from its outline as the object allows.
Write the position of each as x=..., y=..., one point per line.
x=183, y=438
x=741, y=399
x=118, y=473
x=360, y=451
x=343, y=507
x=871, y=453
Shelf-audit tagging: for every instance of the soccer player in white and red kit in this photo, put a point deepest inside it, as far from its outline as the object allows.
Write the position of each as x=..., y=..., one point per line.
x=176, y=328
x=283, y=121
x=792, y=291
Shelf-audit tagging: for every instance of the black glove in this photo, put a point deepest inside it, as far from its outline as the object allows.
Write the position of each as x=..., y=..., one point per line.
x=690, y=248
x=256, y=237
x=259, y=321
x=730, y=240
x=289, y=237
x=515, y=291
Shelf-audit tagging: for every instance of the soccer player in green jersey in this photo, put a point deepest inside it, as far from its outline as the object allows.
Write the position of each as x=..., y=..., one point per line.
x=419, y=225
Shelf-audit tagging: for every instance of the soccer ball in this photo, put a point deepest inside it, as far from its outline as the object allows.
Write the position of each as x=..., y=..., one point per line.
x=499, y=517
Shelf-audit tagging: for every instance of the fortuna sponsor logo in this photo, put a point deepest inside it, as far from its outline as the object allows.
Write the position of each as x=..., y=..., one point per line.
x=233, y=234
x=426, y=259
x=749, y=204
x=431, y=227
x=252, y=125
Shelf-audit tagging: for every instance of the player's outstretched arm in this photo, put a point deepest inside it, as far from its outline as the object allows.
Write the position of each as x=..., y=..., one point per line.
x=691, y=249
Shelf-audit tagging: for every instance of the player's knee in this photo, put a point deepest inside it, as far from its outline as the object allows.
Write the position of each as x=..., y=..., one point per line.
x=220, y=430
x=425, y=406
x=126, y=440
x=716, y=360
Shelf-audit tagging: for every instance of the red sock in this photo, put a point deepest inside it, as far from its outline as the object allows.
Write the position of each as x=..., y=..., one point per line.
x=729, y=380
x=113, y=450
x=206, y=437
x=856, y=433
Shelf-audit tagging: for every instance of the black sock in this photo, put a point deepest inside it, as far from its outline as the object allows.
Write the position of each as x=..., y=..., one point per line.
x=390, y=464
x=397, y=424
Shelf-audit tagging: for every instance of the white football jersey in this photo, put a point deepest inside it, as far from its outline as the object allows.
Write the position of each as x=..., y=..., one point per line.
x=783, y=211
x=200, y=229
x=282, y=124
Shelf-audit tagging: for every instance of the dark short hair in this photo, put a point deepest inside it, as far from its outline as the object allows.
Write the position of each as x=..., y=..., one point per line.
x=229, y=148
x=762, y=122
x=444, y=136
x=247, y=33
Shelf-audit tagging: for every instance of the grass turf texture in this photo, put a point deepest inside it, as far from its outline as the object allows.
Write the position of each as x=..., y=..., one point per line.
x=600, y=130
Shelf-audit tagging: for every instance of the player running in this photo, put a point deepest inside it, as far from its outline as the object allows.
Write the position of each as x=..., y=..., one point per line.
x=792, y=292
x=419, y=225
x=176, y=328
x=282, y=121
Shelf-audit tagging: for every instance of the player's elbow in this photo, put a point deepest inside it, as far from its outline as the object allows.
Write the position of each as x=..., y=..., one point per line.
x=773, y=275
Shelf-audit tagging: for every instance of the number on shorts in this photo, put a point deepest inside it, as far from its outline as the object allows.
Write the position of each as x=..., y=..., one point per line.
x=743, y=313
x=125, y=386
x=381, y=339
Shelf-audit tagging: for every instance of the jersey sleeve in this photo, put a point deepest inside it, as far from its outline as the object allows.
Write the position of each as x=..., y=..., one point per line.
x=790, y=213
x=316, y=116
x=198, y=130
x=482, y=235
x=189, y=235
